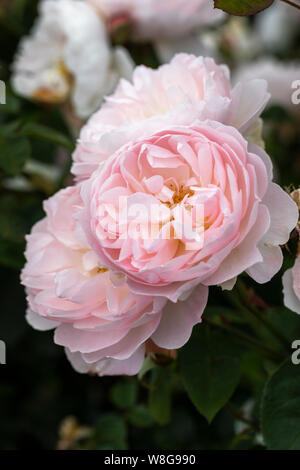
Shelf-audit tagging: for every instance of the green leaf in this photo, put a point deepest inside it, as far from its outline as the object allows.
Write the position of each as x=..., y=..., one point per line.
x=124, y=394
x=10, y=128
x=140, y=417
x=14, y=151
x=111, y=432
x=12, y=105
x=160, y=395
x=210, y=375
x=280, y=410
x=242, y=7
x=253, y=371
x=42, y=132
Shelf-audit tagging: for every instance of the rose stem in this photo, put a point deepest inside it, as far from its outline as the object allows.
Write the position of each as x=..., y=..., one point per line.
x=246, y=340
x=257, y=314
x=237, y=414
x=291, y=3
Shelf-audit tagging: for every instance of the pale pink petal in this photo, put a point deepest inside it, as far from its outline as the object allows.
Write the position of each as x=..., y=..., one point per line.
x=271, y=263
x=179, y=318
x=38, y=322
x=290, y=298
x=284, y=215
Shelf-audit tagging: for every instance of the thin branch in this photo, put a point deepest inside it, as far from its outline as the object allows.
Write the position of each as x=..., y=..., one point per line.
x=247, y=341
x=237, y=414
x=261, y=318
x=291, y=3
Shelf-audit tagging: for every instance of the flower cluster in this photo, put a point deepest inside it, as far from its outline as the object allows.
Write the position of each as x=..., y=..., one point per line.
x=69, y=57
x=172, y=141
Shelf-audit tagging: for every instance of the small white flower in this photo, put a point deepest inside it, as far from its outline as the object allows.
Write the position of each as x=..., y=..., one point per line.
x=280, y=77
x=68, y=56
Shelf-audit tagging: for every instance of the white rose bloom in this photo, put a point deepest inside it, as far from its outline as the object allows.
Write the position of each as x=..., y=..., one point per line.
x=236, y=34
x=153, y=19
x=68, y=55
x=280, y=77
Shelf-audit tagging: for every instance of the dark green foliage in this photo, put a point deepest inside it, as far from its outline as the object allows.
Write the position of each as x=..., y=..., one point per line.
x=280, y=410
x=210, y=372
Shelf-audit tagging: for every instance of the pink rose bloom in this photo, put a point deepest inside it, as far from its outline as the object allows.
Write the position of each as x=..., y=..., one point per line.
x=104, y=327
x=187, y=89
x=156, y=18
x=174, y=171
x=291, y=287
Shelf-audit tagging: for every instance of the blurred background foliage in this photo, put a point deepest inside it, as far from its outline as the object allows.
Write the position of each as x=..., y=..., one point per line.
x=219, y=377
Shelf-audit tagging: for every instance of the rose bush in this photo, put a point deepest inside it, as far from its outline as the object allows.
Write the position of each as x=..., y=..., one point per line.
x=171, y=168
